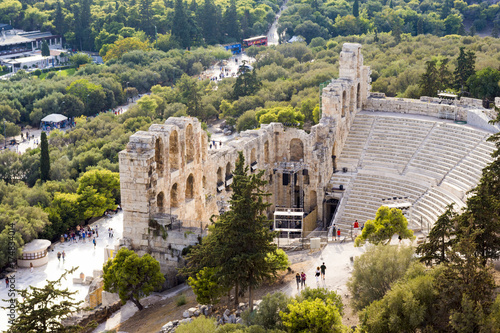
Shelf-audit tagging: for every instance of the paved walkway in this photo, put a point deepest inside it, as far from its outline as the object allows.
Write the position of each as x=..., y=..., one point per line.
x=77, y=254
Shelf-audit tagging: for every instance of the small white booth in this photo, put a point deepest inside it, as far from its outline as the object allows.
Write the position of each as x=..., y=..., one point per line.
x=34, y=252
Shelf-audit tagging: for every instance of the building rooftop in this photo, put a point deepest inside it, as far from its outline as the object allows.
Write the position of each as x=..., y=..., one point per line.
x=24, y=60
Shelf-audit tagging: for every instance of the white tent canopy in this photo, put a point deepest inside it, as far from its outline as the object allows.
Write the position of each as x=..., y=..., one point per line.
x=54, y=118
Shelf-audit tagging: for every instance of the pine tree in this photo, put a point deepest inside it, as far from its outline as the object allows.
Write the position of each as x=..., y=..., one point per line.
x=240, y=240
x=180, y=28
x=246, y=83
x=472, y=31
x=43, y=309
x=444, y=74
x=375, y=39
x=44, y=158
x=355, y=8
x=45, y=49
x=440, y=239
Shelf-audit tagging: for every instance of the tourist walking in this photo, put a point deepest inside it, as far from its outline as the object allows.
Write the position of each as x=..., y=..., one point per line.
x=64, y=255
x=59, y=256
x=334, y=232
x=7, y=282
x=338, y=234
x=317, y=274
x=323, y=270
x=302, y=280
x=356, y=228
x=93, y=241
x=83, y=235
x=31, y=267
x=297, y=278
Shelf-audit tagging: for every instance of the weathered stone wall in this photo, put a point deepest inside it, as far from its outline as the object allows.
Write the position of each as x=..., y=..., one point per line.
x=168, y=173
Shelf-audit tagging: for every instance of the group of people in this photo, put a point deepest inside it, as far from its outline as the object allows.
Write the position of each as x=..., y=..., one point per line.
x=319, y=274
x=336, y=231
x=214, y=144
x=81, y=233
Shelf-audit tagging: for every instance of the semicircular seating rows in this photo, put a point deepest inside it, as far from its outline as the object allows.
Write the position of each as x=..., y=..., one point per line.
x=429, y=162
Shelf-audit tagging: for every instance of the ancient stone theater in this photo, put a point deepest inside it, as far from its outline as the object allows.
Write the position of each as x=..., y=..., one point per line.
x=368, y=150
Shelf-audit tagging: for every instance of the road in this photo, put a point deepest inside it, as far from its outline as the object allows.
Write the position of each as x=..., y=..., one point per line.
x=272, y=35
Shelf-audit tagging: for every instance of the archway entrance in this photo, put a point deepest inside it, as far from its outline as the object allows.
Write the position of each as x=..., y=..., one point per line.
x=330, y=208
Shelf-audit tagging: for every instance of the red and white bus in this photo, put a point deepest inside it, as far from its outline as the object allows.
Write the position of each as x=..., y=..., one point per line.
x=257, y=41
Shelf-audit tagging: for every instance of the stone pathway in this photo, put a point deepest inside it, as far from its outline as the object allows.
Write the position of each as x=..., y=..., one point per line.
x=77, y=254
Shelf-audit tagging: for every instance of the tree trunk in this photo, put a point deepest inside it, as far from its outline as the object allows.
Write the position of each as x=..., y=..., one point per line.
x=236, y=291
x=250, y=298
x=137, y=303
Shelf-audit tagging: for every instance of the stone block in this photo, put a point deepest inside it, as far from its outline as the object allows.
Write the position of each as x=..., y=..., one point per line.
x=77, y=281
x=185, y=314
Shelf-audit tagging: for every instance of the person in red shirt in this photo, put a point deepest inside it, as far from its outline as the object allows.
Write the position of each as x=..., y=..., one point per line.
x=356, y=228
x=338, y=234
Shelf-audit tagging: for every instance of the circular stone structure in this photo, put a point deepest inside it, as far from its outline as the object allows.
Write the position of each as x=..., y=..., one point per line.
x=34, y=252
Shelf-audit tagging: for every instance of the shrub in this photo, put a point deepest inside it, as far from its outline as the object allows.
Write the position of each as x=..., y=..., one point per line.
x=181, y=300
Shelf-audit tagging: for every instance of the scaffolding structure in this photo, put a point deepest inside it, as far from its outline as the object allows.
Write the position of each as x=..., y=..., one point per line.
x=289, y=178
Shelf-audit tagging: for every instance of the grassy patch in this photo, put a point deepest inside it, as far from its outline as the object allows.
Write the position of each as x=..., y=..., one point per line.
x=64, y=72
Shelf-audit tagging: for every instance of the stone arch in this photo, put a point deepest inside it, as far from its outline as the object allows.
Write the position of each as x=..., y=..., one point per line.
x=358, y=97
x=228, y=169
x=352, y=98
x=189, y=143
x=190, y=187
x=344, y=102
x=160, y=202
x=174, y=198
x=159, y=155
x=173, y=151
x=253, y=157
x=296, y=150
x=266, y=152
x=313, y=200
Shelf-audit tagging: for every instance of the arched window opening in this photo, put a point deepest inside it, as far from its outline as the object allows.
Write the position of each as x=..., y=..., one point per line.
x=189, y=143
x=174, y=201
x=190, y=187
x=158, y=155
x=358, y=97
x=344, y=103
x=296, y=150
x=173, y=151
x=160, y=202
x=266, y=152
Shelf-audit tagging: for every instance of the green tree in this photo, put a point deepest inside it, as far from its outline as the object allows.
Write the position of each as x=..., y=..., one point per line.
x=246, y=121
x=79, y=59
x=44, y=158
x=131, y=276
x=466, y=64
x=43, y=309
x=355, y=8
x=316, y=316
x=440, y=239
x=387, y=223
x=45, y=49
x=246, y=83
x=180, y=25
x=98, y=191
x=206, y=286
x=484, y=83
x=409, y=306
x=429, y=81
x=231, y=23
x=190, y=94
x=375, y=271
x=209, y=22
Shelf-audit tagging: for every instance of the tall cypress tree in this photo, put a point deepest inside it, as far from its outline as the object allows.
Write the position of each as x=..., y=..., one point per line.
x=44, y=158
x=59, y=19
x=466, y=64
x=146, y=17
x=429, y=81
x=209, y=22
x=45, y=49
x=355, y=8
x=180, y=28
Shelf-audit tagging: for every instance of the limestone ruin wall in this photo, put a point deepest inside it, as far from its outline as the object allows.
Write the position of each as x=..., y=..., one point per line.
x=168, y=173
